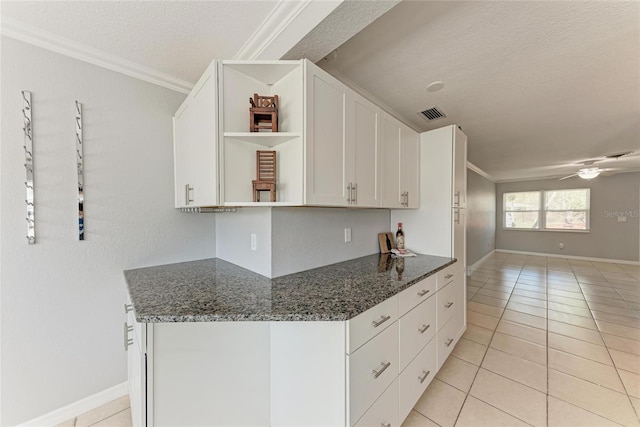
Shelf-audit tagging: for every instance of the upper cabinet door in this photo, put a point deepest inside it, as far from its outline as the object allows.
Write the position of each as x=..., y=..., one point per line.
x=326, y=156
x=205, y=129
x=459, y=169
x=390, y=130
x=363, y=130
x=183, y=154
x=409, y=167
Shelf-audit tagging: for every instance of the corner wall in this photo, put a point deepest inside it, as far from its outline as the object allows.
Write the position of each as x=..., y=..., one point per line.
x=481, y=217
x=62, y=299
x=610, y=196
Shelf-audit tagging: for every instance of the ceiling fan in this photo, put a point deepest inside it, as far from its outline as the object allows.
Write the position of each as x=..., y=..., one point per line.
x=589, y=171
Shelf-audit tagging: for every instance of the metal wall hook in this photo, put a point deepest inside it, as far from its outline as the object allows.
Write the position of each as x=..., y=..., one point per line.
x=80, y=167
x=28, y=165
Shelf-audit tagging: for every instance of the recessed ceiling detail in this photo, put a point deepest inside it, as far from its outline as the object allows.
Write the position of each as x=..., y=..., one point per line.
x=618, y=155
x=433, y=113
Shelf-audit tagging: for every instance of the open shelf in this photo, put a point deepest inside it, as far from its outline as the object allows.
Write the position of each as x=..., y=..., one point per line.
x=265, y=139
x=267, y=72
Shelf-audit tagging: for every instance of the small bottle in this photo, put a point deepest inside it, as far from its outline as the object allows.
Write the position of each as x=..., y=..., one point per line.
x=399, y=237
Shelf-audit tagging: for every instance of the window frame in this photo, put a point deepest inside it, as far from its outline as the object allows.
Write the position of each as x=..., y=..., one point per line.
x=542, y=211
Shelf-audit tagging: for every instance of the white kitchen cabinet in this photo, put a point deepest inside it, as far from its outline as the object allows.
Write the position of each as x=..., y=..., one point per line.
x=135, y=345
x=400, y=168
x=195, y=145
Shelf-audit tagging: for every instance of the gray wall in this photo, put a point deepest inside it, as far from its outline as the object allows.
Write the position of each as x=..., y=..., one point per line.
x=61, y=300
x=608, y=238
x=481, y=216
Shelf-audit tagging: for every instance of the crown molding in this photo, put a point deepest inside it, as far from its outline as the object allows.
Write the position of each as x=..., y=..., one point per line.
x=479, y=171
x=25, y=33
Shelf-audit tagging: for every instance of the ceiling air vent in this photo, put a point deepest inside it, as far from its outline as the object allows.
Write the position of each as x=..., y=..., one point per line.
x=433, y=113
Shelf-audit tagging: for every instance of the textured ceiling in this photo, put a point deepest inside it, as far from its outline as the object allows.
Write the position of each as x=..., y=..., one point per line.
x=537, y=86
x=179, y=38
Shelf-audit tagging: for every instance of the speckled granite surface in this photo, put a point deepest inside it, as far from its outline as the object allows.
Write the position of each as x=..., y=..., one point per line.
x=214, y=290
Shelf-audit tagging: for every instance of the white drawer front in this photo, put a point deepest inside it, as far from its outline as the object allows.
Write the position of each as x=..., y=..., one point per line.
x=365, y=326
x=371, y=370
x=384, y=411
x=447, y=302
x=448, y=338
x=417, y=328
x=445, y=276
x=415, y=294
x=415, y=379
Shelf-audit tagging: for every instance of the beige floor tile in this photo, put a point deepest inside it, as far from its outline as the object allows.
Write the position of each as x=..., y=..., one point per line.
x=615, y=310
x=586, y=395
x=611, y=302
x=458, y=373
x=631, y=383
x=580, y=348
x=586, y=369
x=622, y=344
x=498, y=287
x=566, y=285
x=619, y=330
x=68, y=423
x=636, y=404
x=563, y=414
x=478, y=334
x=484, y=299
x=527, y=309
x=441, y=403
x=568, y=301
x=524, y=349
x=476, y=413
x=121, y=419
x=416, y=419
x=616, y=318
x=577, y=294
x=109, y=409
x=572, y=319
x=571, y=309
x=530, y=294
x=482, y=320
x=511, y=397
x=484, y=309
x=524, y=332
x=495, y=294
x=525, y=319
x=531, y=287
x=626, y=361
x=607, y=296
x=516, y=368
x=470, y=351
x=529, y=301
x=575, y=332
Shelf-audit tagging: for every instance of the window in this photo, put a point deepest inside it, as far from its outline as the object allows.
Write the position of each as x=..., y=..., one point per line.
x=547, y=210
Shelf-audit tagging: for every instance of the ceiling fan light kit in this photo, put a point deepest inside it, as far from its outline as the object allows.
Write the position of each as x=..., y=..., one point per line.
x=589, y=173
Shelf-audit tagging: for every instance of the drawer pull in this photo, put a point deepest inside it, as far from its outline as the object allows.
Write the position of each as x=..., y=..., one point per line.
x=449, y=304
x=423, y=329
x=448, y=342
x=423, y=292
x=448, y=276
x=383, y=319
x=128, y=308
x=424, y=377
x=376, y=374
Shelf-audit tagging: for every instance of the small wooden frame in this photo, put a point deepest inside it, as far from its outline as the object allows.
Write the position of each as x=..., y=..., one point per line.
x=386, y=242
x=263, y=113
x=265, y=174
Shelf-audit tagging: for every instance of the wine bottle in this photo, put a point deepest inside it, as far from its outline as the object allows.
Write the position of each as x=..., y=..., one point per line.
x=399, y=237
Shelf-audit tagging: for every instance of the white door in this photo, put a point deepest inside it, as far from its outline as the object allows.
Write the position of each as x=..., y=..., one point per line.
x=205, y=160
x=409, y=167
x=325, y=140
x=366, y=148
x=183, y=154
x=390, y=130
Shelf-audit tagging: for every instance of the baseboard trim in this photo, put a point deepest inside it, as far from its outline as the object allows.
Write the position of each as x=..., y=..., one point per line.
x=581, y=258
x=76, y=408
x=471, y=268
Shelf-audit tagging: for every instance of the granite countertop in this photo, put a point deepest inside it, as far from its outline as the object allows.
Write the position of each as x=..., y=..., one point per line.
x=212, y=290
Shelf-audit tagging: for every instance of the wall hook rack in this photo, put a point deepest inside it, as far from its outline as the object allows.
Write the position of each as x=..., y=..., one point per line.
x=80, y=163
x=27, y=127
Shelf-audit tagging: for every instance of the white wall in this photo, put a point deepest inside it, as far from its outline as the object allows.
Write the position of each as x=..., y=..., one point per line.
x=61, y=299
x=607, y=238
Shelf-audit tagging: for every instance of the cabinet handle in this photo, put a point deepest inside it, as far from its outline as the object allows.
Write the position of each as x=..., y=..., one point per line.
x=423, y=292
x=383, y=319
x=448, y=342
x=376, y=374
x=385, y=425
x=127, y=341
x=354, y=199
x=349, y=199
x=128, y=308
x=448, y=276
x=456, y=217
x=187, y=189
x=423, y=329
x=406, y=201
x=449, y=304
x=423, y=377
x=457, y=199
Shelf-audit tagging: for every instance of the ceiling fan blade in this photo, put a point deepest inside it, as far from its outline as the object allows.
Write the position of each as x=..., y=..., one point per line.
x=568, y=176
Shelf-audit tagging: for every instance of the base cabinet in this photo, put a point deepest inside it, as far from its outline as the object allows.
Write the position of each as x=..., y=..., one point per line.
x=367, y=371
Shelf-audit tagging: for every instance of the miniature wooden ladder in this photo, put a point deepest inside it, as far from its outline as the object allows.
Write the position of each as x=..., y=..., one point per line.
x=266, y=175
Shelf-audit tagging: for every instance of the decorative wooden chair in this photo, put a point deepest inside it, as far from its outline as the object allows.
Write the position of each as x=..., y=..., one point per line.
x=263, y=113
x=265, y=174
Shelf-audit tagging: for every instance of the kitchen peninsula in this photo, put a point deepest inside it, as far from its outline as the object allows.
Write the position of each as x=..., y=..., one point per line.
x=211, y=343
